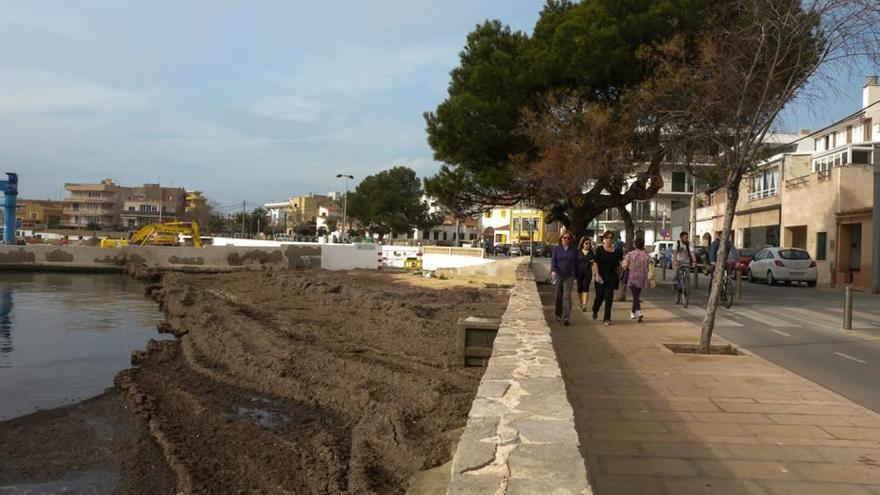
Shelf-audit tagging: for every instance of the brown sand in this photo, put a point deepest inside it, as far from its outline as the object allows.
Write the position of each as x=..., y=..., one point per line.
x=306, y=381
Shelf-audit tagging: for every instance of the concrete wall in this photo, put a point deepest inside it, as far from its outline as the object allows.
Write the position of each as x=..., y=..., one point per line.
x=350, y=256
x=75, y=258
x=520, y=436
x=213, y=258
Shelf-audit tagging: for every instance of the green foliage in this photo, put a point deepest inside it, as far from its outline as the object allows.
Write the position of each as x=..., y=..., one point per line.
x=592, y=49
x=390, y=201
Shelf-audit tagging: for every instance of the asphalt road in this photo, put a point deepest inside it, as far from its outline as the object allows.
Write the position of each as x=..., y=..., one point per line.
x=800, y=329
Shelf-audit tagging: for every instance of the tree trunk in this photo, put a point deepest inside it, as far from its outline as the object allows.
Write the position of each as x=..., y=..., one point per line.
x=628, y=225
x=721, y=257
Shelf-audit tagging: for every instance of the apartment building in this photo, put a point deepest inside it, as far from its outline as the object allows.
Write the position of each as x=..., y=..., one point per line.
x=108, y=205
x=662, y=217
x=151, y=203
x=815, y=194
x=92, y=205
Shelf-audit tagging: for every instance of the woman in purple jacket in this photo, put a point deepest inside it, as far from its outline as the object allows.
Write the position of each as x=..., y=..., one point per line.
x=563, y=272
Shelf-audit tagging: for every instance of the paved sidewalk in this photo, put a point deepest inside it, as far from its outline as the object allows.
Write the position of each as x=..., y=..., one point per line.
x=653, y=422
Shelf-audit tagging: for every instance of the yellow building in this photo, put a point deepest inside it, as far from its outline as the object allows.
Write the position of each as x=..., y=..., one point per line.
x=514, y=225
x=38, y=213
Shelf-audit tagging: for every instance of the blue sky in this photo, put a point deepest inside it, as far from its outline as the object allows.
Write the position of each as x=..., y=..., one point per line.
x=252, y=101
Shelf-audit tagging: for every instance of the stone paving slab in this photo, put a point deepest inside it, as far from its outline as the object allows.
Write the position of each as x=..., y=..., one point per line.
x=653, y=422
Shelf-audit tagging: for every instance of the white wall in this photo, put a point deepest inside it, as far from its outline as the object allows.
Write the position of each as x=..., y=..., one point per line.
x=350, y=256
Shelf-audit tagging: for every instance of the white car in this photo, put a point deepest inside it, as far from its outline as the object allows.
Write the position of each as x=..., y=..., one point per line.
x=659, y=249
x=783, y=265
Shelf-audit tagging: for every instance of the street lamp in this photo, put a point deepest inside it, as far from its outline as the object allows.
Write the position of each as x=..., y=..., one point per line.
x=344, y=202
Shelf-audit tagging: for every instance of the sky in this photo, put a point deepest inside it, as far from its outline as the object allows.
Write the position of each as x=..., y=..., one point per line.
x=246, y=101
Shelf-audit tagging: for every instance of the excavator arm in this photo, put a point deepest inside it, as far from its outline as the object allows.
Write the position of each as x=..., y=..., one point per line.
x=166, y=234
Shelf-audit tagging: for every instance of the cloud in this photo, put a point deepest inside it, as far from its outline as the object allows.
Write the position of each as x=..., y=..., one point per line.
x=243, y=101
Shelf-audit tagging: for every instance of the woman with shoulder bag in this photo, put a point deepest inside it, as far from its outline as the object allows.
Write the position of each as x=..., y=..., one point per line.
x=606, y=273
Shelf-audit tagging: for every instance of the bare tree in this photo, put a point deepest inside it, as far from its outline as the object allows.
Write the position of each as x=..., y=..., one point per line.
x=595, y=156
x=726, y=88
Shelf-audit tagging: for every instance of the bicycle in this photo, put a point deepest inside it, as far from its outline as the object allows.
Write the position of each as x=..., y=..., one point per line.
x=726, y=295
x=680, y=288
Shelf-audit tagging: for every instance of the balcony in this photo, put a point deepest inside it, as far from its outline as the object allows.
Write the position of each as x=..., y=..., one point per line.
x=638, y=216
x=766, y=193
x=100, y=212
x=88, y=199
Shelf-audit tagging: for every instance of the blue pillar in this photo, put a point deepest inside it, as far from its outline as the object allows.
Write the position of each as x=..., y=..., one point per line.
x=10, y=194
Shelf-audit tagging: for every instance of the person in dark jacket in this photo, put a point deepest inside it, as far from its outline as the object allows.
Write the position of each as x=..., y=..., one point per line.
x=606, y=273
x=563, y=272
x=585, y=271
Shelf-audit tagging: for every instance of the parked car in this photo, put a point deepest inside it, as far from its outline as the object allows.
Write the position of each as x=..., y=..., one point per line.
x=539, y=250
x=783, y=264
x=745, y=257
x=659, y=250
x=502, y=249
x=515, y=250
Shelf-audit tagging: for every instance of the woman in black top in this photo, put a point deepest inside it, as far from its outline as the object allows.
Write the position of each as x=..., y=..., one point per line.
x=585, y=271
x=606, y=269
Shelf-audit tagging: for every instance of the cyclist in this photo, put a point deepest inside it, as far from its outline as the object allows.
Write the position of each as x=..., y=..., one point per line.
x=683, y=257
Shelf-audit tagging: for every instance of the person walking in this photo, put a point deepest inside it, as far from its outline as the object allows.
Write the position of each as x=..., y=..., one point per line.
x=585, y=271
x=639, y=265
x=563, y=271
x=606, y=273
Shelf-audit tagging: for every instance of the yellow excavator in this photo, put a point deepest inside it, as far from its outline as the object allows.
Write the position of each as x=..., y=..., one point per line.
x=158, y=234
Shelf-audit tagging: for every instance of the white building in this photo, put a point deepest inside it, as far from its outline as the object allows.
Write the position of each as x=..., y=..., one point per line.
x=277, y=211
x=654, y=219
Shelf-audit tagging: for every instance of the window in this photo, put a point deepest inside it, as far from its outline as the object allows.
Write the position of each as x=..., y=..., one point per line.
x=867, y=125
x=426, y=235
x=764, y=184
x=444, y=236
x=821, y=245
x=862, y=157
x=794, y=254
x=517, y=225
x=679, y=181
x=436, y=235
x=489, y=214
x=503, y=213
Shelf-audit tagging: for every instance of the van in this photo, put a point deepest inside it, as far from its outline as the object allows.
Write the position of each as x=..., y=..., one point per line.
x=659, y=249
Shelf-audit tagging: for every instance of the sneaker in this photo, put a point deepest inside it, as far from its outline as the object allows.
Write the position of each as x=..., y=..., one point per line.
x=595, y=315
x=558, y=318
x=607, y=323
x=584, y=309
x=566, y=323
x=632, y=316
x=641, y=318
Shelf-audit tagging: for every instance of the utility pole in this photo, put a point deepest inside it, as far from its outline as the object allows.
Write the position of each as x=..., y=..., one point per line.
x=242, y=218
x=875, y=259
x=344, y=203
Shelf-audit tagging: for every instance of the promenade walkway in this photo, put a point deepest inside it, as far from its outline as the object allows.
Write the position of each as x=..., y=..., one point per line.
x=653, y=422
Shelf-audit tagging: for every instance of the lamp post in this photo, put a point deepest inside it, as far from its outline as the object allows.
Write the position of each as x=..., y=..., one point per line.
x=344, y=202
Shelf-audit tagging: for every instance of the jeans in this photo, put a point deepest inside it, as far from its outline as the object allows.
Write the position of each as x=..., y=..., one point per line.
x=604, y=293
x=637, y=304
x=563, y=297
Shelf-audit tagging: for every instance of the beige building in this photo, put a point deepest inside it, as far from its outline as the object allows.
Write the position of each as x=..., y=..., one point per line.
x=87, y=204
x=817, y=194
x=110, y=205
